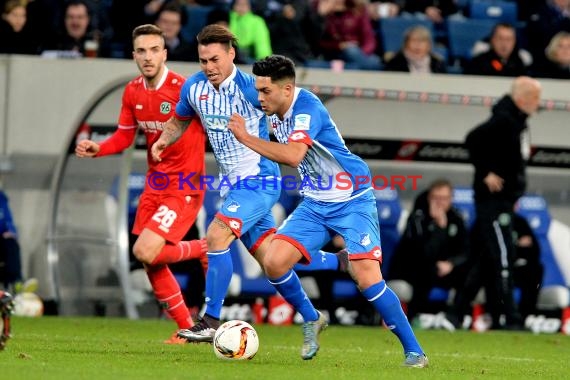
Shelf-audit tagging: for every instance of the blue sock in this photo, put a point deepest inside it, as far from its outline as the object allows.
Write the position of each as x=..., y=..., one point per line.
x=289, y=286
x=218, y=277
x=322, y=261
x=388, y=305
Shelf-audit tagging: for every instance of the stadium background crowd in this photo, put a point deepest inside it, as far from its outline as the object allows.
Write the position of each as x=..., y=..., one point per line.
x=315, y=33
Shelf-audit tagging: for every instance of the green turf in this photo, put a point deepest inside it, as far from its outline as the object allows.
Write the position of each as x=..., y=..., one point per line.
x=105, y=348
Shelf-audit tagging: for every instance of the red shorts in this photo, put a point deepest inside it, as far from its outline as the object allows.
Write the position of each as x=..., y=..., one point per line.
x=169, y=215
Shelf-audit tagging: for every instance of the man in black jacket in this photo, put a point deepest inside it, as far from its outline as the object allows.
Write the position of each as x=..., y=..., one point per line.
x=498, y=150
x=434, y=247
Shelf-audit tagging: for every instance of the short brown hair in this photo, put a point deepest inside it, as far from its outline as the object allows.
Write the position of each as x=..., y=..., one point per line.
x=147, y=29
x=215, y=33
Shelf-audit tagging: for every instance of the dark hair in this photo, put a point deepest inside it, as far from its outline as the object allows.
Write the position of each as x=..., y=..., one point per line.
x=277, y=67
x=173, y=6
x=501, y=25
x=440, y=182
x=147, y=29
x=216, y=34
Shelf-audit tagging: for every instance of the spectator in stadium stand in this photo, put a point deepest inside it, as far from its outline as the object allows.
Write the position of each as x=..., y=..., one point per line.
x=77, y=32
x=552, y=17
x=498, y=149
x=436, y=241
x=557, y=61
x=251, y=31
x=501, y=56
x=434, y=10
x=416, y=55
x=291, y=27
x=170, y=19
x=14, y=32
x=347, y=33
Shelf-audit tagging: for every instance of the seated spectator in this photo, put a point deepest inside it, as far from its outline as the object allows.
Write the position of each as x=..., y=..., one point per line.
x=416, y=56
x=501, y=56
x=289, y=23
x=433, y=249
x=528, y=269
x=251, y=31
x=348, y=34
x=434, y=10
x=77, y=34
x=170, y=19
x=551, y=17
x=9, y=247
x=14, y=32
x=557, y=62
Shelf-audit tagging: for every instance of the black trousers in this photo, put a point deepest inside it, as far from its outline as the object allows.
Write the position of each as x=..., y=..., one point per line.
x=495, y=225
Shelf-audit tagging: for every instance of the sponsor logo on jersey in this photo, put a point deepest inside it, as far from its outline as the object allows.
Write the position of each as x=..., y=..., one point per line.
x=233, y=206
x=151, y=126
x=165, y=108
x=302, y=122
x=139, y=107
x=364, y=239
x=216, y=123
x=203, y=97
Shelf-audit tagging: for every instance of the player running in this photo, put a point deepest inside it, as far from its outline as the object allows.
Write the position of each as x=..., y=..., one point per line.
x=163, y=215
x=310, y=141
x=215, y=94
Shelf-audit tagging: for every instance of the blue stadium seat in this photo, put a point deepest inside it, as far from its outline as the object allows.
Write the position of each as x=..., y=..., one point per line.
x=389, y=213
x=535, y=210
x=196, y=20
x=463, y=33
x=391, y=31
x=499, y=11
x=464, y=203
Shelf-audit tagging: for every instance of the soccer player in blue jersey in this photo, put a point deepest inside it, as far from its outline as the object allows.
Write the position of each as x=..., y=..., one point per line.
x=216, y=93
x=309, y=140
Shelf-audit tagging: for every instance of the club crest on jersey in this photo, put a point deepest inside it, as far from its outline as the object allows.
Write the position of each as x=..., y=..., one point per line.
x=165, y=108
x=216, y=123
x=364, y=239
x=302, y=122
x=233, y=206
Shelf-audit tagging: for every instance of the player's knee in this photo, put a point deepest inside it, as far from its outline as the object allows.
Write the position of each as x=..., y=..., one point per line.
x=219, y=236
x=143, y=252
x=274, y=267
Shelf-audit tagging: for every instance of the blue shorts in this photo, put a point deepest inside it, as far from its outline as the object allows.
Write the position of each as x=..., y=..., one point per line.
x=313, y=223
x=247, y=212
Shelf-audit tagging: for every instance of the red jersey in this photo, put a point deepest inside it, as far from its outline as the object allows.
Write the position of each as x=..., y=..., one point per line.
x=149, y=110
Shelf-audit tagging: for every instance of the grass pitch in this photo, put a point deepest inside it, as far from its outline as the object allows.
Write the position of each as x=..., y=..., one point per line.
x=106, y=348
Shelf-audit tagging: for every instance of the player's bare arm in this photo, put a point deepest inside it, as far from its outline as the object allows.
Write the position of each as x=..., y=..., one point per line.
x=86, y=148
x=289, y=154
x=173, y=129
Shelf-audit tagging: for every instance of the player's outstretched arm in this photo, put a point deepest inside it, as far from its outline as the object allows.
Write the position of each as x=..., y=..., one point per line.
x=289, y=154
x=173, y=129
x=86, y=148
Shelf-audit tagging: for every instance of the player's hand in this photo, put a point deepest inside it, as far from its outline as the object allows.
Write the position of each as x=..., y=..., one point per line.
x=86, y=148
x=156, y=150
x=237, y=126
x=494, y=182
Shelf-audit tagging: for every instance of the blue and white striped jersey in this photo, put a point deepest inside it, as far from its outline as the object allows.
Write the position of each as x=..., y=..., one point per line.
x=237, y=94
x=329, y=170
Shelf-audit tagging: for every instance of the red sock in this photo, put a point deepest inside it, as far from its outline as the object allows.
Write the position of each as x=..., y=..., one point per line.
x=184, y=250
x=167, y=292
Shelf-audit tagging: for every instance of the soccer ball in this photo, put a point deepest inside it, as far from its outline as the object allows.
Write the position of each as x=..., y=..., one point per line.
x=236, y=340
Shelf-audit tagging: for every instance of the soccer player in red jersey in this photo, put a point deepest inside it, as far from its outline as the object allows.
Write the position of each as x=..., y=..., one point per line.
x=168, y=206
